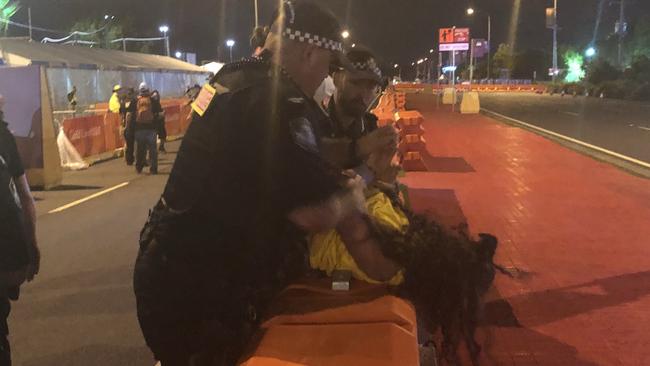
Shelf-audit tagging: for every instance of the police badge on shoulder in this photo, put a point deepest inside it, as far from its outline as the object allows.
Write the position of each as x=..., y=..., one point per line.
x=302, y=133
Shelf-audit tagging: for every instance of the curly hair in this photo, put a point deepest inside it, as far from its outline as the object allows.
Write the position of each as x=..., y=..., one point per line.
x=445, y=275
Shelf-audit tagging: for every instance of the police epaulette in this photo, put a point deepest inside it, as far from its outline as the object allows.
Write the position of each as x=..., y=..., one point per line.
x=219, y=84
x=236, y=66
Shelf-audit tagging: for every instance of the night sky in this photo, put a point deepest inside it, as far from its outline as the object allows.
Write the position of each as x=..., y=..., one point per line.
x=398, y=30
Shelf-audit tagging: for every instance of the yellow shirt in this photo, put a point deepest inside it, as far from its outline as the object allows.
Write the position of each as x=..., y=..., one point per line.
x=114, y=103
x=327, y=252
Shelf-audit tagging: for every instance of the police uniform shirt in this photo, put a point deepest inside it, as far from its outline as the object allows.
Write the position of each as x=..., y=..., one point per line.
x=250, y=159
x=333, y=129
x=13, y=252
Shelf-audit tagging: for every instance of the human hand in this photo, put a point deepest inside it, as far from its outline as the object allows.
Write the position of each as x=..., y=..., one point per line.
x=382, y=138
x=355, y=199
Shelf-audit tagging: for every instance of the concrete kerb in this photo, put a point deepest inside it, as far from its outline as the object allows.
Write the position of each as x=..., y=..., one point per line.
x=630, y=165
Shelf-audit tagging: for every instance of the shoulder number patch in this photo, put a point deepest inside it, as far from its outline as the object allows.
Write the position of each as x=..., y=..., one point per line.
x=204, y=99
x=303, y=134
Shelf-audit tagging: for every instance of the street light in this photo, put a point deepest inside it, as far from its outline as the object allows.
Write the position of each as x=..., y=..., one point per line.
x=345, y=34
x=164, y=29
x=470, y=12
x=431, y=50
x=230, y=43
x=590, y=52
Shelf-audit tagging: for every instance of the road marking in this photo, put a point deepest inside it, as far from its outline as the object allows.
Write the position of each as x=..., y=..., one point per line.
x=92, y=196
x=644, y=128
x=571, y=139
x=572, y=114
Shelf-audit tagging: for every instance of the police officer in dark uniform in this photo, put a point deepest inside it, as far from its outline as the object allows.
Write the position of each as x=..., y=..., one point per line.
x=247, y=185
x=351, y=138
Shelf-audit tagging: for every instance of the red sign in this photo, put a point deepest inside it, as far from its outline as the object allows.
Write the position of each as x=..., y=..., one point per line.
x=453, y=35
x=446, y=35
x=461, y=35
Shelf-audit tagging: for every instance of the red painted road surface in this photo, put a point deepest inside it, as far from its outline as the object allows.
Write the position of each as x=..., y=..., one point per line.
x=578, y=229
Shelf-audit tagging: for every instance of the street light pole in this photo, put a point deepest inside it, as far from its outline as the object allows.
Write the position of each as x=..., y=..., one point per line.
x=489, y=45
x=164, y=29
x=554, y=40
x=471, y=63
x=230, y=43
x=257, y=17
x=29, y=16
x=621, y=33
x=470, y=12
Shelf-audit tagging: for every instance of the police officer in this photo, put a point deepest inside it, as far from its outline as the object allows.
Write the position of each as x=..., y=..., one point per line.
x=351, y=138
x=247, y=184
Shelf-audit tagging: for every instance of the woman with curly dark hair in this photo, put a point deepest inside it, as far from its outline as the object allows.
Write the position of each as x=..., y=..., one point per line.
x=443, y=273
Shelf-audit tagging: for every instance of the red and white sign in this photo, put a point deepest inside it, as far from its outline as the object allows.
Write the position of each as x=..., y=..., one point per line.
x=454, y=47
x=461, y=35
x=453, y=35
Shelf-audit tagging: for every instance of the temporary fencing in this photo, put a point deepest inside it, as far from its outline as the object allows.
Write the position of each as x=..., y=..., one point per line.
x=100, y=133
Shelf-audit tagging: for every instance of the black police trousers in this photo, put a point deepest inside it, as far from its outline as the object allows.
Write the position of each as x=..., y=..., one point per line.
x=184, y=317
x=5, y=350
x=129, y=142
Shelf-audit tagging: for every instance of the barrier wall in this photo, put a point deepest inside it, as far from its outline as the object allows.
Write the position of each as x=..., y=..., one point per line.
x=99, y=133
x=309, y=324
x=411, y=87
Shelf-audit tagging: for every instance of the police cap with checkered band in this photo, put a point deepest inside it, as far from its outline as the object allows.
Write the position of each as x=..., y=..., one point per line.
x=365, y=64
x=307, y=22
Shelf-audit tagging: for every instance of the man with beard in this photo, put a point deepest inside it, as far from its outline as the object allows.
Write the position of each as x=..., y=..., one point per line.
x=351, y=135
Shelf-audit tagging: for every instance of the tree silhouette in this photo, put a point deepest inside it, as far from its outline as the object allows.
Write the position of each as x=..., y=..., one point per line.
x=7, y=10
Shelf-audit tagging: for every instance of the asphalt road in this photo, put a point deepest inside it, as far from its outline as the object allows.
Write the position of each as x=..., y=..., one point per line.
x=80, y=310
x=619, y=126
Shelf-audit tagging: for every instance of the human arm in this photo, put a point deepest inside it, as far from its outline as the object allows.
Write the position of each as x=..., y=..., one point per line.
x=29, y=220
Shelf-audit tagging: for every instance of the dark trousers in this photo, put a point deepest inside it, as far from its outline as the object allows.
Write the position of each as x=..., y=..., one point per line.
x=162, y=132
x=145, y=140
x=5, y=350
x=182, y=315
x=129, y=140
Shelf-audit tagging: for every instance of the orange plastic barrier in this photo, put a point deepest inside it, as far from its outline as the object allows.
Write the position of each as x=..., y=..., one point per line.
x=412, y=145
x=100, y=133
x=173, y=120
x=475, y=87
x=313, y=325
x=112, y=135
x=87, y=134
x=400, y=101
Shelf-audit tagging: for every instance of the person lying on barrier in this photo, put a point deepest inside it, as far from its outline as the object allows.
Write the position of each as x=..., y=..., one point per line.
x=228, y=233
x=444, y=273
